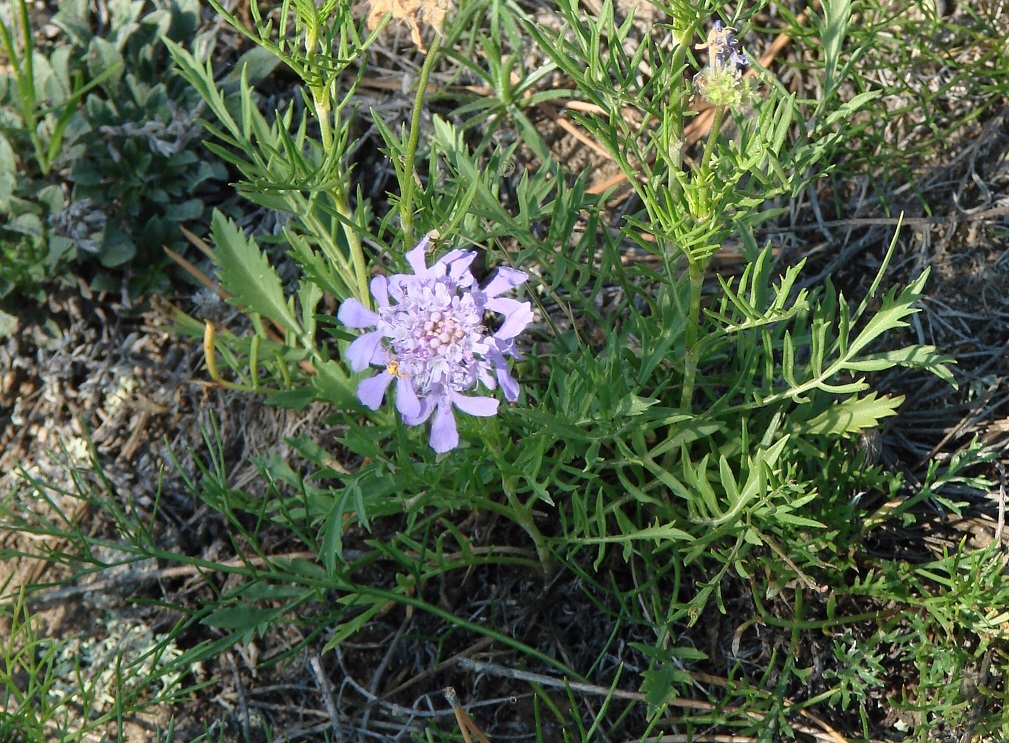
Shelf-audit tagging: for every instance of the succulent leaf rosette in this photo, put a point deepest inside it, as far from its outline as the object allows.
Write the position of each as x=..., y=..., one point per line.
x=430, y=338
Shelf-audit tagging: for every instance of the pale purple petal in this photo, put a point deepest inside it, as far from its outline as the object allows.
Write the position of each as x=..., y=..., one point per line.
x=353, y=314
x=444, y=434
x=457, y=263
x=487, y=379
x=416, y=257
x=505, y=306
x=380, y=291
x=496, y=355
x=381, y=356
x=372, y=390
x=407, y=402
x=361, y=352
x=504, y=279
x=426, y=408
x=509, y=387
x=482, y=407
x=517, y=314
x=502, y=347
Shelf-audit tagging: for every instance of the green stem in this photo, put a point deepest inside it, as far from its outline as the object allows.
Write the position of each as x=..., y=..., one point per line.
x=696, y=266
x=709, y=146
x=322, y=96
x=692, y=354
x=356, y=253
x=704, y=176
x=522, y=515
x=323, y=112
x=409, y=177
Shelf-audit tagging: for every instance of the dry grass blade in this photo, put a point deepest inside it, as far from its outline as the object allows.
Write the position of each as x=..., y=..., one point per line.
x=466, y=725
x=274, y=330
x=826, y=732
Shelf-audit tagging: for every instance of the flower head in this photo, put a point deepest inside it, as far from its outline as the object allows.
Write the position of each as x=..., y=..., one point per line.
x=721, y=82
x=723, y=48
x=430, y=338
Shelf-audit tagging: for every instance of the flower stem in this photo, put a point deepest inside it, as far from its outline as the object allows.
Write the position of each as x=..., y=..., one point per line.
x=522, y=515
x=322, y=98
x=704, y=176
x=709, y=145
x=697, y=265
x=359, y=285
x=692, y=354
x=325, y=126
x=409, y=176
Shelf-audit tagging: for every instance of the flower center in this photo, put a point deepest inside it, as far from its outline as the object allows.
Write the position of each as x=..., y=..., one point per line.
x=440, y=331
x=435, y=338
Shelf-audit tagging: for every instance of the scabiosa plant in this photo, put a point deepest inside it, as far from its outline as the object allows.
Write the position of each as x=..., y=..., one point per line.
x=429, y=336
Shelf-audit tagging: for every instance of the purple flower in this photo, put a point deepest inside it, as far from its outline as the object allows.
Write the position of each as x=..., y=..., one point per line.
x=723, y=48
x=722, y=82
x=430, y=338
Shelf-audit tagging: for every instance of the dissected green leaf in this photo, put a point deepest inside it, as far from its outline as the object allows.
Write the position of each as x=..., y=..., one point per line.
x=246, y=273
x=852, y=415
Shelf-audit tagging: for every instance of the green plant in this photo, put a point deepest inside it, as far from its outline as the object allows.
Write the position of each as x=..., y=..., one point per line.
x=66, y=689
x=688, y=444
x=44, y=91
x=116, y=165
x=708, y=438
x=38, y=100
x=138, y=146
x=697, y=442
x=26, y=676
x=285, y=166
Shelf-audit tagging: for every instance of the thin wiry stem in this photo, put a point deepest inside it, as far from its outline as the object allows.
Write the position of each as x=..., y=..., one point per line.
x=409, y=176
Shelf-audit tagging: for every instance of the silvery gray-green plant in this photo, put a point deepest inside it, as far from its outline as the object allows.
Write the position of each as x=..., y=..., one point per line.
x=115, y=166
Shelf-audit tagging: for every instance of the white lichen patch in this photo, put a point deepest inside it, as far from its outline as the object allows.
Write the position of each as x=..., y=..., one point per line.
x=121, y=395
x=115, y=666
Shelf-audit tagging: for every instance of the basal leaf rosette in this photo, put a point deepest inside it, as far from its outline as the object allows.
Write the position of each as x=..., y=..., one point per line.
x=430, y=338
